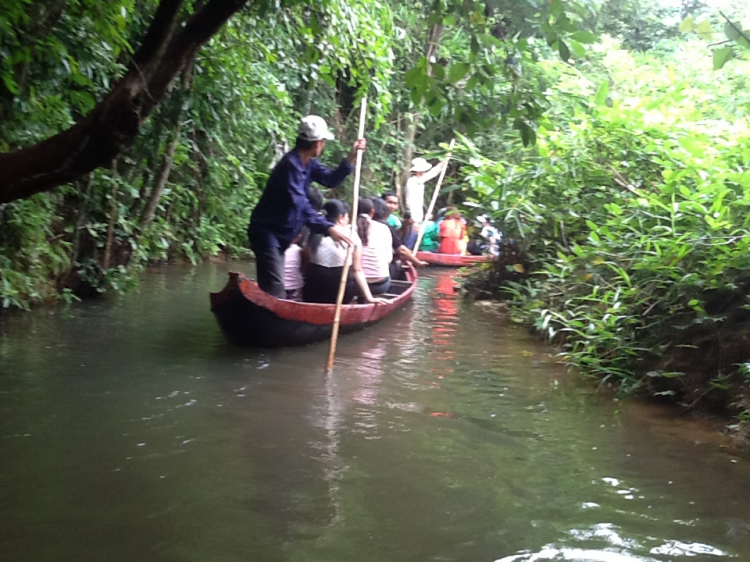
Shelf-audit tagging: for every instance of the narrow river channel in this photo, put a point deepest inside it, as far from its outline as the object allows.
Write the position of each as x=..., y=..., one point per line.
x=131, y=431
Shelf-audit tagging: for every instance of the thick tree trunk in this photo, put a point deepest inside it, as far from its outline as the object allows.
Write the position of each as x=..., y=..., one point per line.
x=115, y=121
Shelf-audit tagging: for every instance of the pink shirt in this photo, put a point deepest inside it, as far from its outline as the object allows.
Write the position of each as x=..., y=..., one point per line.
x=378, y=252
x=292, y=268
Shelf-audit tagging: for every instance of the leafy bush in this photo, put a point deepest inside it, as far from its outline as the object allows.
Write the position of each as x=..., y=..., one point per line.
x=636, y=219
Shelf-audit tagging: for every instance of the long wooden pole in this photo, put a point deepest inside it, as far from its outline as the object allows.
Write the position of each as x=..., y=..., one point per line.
x=423, y=226
x=350, y=249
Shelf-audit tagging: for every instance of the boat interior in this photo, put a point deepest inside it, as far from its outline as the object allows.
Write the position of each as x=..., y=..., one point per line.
x=396, y=290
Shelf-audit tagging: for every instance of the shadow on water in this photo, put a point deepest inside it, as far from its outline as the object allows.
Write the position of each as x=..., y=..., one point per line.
x=130, y=430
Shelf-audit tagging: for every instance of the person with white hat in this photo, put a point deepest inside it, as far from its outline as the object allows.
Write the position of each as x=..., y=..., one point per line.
x=423, y=172
x=284, y=206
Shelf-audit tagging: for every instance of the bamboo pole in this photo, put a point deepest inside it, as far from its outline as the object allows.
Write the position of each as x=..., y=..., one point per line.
x=350, y=249
x=422, y=226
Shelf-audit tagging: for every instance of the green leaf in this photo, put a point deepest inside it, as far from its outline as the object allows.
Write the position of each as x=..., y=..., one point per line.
x=721, y=56
x=528, y=135
x=563, y=50
x=578, y=49
x=450, y=188
x=549, y=34
x=704, y=29
x=584, y=37
x=742, y=39
x=457, y=71
x=601, y=94
x=687, y=25
x=10, y=83
x=731, y=32
x=415, y=77
x=563, y=22
x=438, y=71
x=436, y=107
x=556, y=8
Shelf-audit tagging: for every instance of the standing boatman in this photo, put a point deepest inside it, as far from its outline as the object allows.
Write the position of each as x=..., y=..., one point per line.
x=284, y=206
x=423, y=172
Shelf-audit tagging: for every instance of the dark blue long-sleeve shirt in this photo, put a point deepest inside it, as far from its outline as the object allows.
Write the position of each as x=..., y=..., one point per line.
x=284, y=207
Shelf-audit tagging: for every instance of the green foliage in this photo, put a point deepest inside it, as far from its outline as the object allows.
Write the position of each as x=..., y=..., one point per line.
x=213, y=141
x=636, y=216
x=641, y=24
x=737, y=40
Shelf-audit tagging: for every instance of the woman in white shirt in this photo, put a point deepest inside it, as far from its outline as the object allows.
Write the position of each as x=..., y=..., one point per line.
x=377, y=248
x=327, y=259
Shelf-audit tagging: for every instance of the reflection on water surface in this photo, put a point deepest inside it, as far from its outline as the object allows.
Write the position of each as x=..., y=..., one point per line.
x=129, y=430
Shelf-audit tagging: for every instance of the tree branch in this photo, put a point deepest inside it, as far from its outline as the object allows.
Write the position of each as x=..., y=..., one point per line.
x=737, y=29
x=115, y=121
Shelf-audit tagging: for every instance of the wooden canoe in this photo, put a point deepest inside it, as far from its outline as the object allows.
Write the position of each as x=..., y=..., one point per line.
x=452, y=260
x=251, y=318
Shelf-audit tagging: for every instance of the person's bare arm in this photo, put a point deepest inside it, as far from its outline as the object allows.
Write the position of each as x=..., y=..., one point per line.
x=433, y=172
x=359, y=277
x=340, y=234
x=407, y=254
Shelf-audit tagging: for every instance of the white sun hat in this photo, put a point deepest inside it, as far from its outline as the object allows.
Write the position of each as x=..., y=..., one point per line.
x=314, y=128
x=420, y=165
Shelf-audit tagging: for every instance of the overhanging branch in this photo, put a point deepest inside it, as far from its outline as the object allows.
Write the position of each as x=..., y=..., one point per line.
x=115, y=121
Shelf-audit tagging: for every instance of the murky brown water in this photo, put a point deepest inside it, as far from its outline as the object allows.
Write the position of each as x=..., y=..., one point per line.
x=129, y=430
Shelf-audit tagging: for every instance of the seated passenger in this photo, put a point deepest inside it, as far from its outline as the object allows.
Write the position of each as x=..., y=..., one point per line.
x=391, y=199
x=293, y=281
x=491, y=236
x=431, y=237
x=377, y=249
x=327, y=259
x=400, y=251
x=408, y=231
x=452, y=233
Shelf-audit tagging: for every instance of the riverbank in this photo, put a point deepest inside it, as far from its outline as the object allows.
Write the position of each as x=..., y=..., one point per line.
x=22, y=291
x=699, y=367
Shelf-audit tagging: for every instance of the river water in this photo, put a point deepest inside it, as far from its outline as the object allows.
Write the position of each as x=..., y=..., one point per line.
x=130, y=431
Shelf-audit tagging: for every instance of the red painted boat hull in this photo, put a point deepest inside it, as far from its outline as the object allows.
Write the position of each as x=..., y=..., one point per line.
x=250, y=317
x=452, y=260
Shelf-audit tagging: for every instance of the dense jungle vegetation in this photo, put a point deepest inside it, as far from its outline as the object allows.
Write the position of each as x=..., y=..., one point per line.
x=608, y=138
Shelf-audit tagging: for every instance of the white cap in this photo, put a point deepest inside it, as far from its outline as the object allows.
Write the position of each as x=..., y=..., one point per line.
x=313, y=128
x=420, y=165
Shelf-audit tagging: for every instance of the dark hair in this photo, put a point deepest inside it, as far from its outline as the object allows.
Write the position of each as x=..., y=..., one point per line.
x=380, y=208
x=303, y=144
x=315, y=197
x=388, y=194
x=407, y=215
x=333, y=209
x=363, y=223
